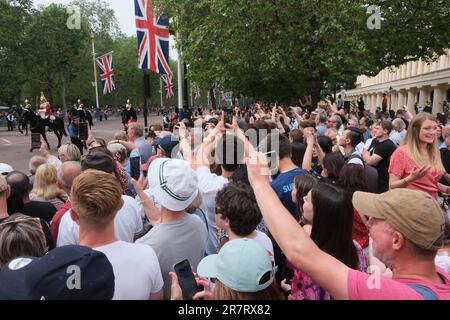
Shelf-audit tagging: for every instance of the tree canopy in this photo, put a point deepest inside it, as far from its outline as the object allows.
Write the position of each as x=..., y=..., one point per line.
x=283, y=49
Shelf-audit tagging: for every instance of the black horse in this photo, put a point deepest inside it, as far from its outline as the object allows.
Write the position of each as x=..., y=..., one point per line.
x=38, y=125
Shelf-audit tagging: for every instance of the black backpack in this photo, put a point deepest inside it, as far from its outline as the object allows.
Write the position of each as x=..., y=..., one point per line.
x=370, y=172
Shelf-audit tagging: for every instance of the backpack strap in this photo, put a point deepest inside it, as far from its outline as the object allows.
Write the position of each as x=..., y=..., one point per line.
x=425, y=292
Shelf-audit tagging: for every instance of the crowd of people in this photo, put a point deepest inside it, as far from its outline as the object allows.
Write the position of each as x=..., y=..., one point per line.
x=265, y=202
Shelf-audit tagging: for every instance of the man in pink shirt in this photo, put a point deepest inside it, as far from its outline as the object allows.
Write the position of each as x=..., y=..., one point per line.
x=406, y=226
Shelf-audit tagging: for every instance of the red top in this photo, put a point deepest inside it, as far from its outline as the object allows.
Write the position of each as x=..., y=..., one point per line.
x=360, y=230
x=402, y=166
x=54, y=227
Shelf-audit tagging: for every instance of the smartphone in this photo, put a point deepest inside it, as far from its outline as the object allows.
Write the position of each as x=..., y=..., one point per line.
x=83, y=131
x=186, y=279
x=35, y=140
x=229, y=115
x=135, y=167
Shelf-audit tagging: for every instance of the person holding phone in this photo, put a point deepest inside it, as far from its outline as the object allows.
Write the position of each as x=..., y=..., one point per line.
x=173, y=185
x=232, y=281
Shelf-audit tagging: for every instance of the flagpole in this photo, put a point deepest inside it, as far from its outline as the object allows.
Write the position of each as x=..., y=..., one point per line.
x=161, y=90
x=95, y=71
x=180, y=80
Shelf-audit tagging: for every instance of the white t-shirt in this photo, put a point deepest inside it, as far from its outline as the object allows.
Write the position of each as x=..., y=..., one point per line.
x=443, y=262
x=127, y=224
x=266, y=243
x=209, y=184
x=136, y=270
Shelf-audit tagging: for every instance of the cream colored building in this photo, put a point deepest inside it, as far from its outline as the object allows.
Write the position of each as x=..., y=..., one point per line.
x=413, y=82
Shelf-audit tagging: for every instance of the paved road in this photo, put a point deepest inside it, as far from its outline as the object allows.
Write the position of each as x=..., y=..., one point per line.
x=15, y=148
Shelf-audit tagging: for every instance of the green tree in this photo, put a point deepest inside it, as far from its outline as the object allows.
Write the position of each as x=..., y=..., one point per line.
x=55, y=49
x=14, y=15
x=282, y=49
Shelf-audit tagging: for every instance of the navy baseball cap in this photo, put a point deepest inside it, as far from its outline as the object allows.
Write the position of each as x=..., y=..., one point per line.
x=167, y=144
x=65, y=273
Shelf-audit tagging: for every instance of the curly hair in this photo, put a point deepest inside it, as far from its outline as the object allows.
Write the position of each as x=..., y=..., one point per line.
x=237, y=202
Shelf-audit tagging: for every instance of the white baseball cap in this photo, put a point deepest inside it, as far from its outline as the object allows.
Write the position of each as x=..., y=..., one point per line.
x=173, y=183
x=5, y=169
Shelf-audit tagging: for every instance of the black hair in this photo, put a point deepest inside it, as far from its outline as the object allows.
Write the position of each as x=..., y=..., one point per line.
x=284, y=145
x=355, y=136
x=298, y=153
x=352, y=178
x=237, y=202
x=240, y=175
x=230, y=143
x=332, y=208
x=303, y=183
x=333, y=162
x=325, y=143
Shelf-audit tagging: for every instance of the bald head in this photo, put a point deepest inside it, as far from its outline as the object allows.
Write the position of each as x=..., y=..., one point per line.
x=68, y=171
x=35, y=162
x=19, y=182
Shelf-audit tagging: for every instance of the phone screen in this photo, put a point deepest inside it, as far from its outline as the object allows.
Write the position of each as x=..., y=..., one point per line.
x=228, y=116
x=35, y=140
x=135, y=166
x=186, y=279
x=83, y=131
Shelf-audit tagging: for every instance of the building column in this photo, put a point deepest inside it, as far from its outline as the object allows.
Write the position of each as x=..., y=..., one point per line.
x=423, y=97
x=401, y=99
x=403, y=71
x=415, y=65
x=411, y=100
x=394, y=100
x=374, y=102
x=379, y=100
x=438, y=98
x=442, y=62
x=420, y=65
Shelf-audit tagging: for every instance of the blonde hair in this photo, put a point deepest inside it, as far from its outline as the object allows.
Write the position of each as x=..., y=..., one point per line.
x=95, y=198
x=70, y=152
x=222, y=292
x=120, y=135
x=196, y=203
x=412, y=143
x=137, y=128
x=45, y=182
x=21, y=235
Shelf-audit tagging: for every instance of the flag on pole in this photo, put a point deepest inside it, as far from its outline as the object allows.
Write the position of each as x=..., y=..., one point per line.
x=168, y=85
x=197, y=92
x=105, y=66
x=153, y=38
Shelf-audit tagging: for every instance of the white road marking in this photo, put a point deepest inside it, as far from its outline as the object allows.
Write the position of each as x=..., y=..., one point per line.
x=7, y=141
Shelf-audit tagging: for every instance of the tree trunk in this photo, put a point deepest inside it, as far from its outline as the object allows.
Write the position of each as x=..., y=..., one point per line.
x=213, y=99
x=314, y=87
x=63, y=92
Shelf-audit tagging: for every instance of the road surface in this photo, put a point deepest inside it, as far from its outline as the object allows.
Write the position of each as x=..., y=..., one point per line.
x=15, y=147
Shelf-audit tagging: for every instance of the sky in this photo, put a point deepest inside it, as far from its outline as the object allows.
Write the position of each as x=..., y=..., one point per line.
x=124, y=11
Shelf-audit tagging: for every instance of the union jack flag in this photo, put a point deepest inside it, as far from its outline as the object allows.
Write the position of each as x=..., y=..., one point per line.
x=168, y=85
x=105, y=67
x=153, y=38
x=197, y=93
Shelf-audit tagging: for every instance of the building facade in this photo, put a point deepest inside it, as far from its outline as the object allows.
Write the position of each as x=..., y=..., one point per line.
x=414, y=84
